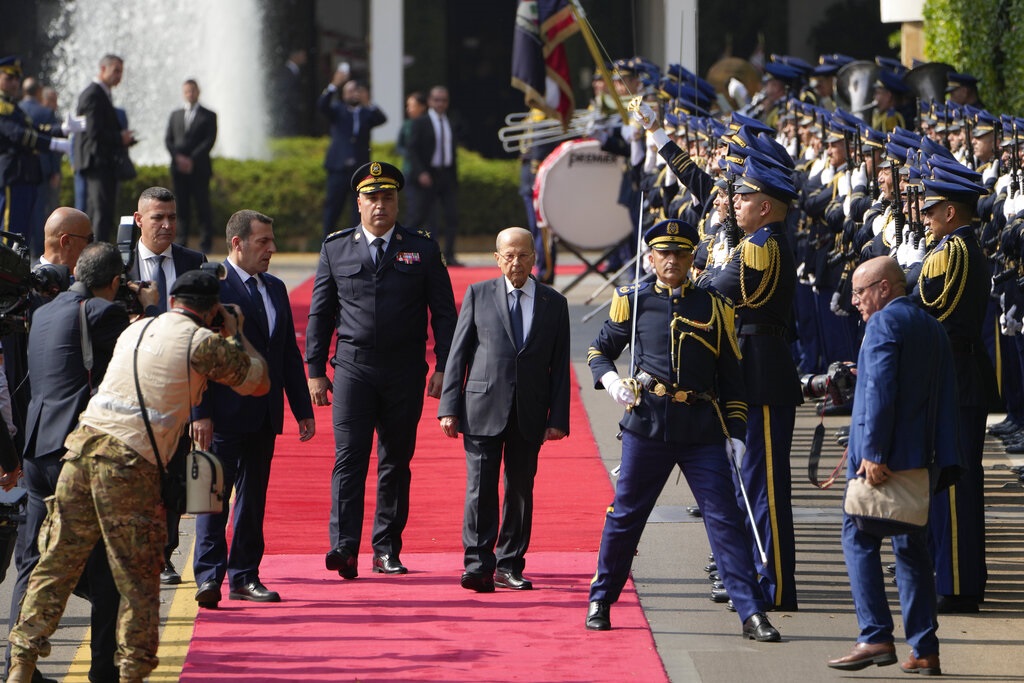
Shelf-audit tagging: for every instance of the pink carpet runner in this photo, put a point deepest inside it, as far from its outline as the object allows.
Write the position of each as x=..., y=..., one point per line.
x=424, y=626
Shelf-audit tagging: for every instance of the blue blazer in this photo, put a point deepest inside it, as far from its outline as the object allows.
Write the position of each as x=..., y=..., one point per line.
x=348, y=151
x=233, y=413
x=905, y=405
x=184, y=259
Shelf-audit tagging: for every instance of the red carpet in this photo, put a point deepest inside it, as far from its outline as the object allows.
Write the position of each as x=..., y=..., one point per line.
x=424, y=626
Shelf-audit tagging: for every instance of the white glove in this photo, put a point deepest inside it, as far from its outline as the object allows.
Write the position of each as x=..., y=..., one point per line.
x=836, y=307
x=1008, y=322
x=73, y=124
x=738, y=92
x=859, y=177
x=793, y=147
x=62, y=145
x=908, y=255
x=1010, y=207
x=736, y=449
x=843, y=185
x=827, y=174
x=644, y=115
x=619, y=390
x=990, y=173
x=847, y=202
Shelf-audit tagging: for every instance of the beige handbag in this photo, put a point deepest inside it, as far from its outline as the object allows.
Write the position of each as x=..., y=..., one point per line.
x=204, y=483
x=898, y=506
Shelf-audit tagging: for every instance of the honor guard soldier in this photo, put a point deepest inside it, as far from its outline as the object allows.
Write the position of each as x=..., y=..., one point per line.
x=954, y=287
x=684, y=406
x=760, y=277
x=375, y=284
x=20, y=143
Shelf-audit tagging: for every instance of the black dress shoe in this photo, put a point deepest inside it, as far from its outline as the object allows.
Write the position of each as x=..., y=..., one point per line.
x=208, y=595
x=757, y=627
x=388, y=564
x=254, y=591
x=513, y=580
x=599, y=616
x=169, y=576
x=714, y=576
x=477, y=581
x=957, y=604
x=729, y=606
x=713, y=567
x=718, y=584
x=40, y=678
x=342, y=560
x=719, y=595
x=891, y=569
x=694, y=511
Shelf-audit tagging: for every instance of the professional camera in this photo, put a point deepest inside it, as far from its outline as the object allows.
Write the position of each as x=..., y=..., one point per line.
x=219, y=272
x=128, y=234
x=18, y=280
x=837, y=384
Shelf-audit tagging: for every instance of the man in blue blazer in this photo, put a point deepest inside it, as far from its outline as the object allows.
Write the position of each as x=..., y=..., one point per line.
x=352, y=116
x=904, y=417
x=63, y=383
x=242, y=429
x=506, y=388
x=158, y=259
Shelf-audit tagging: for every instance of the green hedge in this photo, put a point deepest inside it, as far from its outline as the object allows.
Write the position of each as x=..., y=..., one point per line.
x=290, y=188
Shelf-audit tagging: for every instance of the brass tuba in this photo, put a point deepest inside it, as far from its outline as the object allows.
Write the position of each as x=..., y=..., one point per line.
x=928, y=81
x=855, y=88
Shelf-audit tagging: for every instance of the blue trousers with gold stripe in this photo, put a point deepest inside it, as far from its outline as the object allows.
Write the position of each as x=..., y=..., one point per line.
x=646, y=466
x=956, y=520
x=768, y=480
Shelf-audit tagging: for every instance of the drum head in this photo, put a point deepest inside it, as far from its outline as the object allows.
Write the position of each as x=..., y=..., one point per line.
x=576, y=195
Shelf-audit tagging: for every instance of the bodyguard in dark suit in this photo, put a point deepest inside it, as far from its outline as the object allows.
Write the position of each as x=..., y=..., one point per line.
x=62, y=383
x=506, y=388
x=352, y=116
x=160, y=260
x=684, y=408
x=375, y=285
x=904, y=417
x=432, y=169
x=242, y=430
x=191, y=133
x=97, y=146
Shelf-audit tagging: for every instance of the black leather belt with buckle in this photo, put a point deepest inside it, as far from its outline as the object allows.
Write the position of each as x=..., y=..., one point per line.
x=661, y=388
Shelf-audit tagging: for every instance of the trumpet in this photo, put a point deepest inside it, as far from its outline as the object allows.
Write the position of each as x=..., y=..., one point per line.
x=524, y=130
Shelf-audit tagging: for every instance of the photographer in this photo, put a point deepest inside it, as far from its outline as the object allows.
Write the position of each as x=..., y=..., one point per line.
x=63, y=379
x=111, y=480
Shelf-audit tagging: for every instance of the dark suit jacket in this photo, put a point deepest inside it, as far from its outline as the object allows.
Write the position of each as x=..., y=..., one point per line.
x=348, y=151
x=381, y=311
x=60, y=382
x=184, y=259
x=905, y=406
x=96, y=146
x=422, y=141
x=485, y=376
x=194, y=143
x=45, y=120
x=239, y=414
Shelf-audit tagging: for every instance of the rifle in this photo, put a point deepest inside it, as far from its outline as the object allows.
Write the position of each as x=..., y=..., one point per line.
x=732, y=229
x=972, y=162
x=916, y=226
x=897, y=202
x=1014, y=162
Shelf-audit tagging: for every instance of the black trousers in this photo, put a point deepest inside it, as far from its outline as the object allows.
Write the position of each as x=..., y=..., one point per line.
x=480, y=530
x=100, y=202
x=194, y=189
x=385, y=398
x=443, y=191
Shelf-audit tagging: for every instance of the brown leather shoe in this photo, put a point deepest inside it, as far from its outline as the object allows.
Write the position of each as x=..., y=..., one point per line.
x=926, y=666
x=864, y=655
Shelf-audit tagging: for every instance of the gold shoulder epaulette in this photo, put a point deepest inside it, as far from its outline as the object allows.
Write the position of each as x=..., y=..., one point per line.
x=6, y=108
x=619, y=310
x=936, y=263
x=755, y=256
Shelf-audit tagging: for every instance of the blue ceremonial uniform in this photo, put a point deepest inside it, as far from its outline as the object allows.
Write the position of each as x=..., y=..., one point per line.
x=685, y=340
x=904, y=415
x=380, y=313
x=761, y=279
x=20, y=168
x=953, y=286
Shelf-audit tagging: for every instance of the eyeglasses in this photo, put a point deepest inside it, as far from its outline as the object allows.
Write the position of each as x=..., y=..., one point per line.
x=509, y=258
x=89, y=239
x=858, y=291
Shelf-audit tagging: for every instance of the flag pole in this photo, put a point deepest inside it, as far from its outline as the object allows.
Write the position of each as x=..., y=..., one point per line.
x=595, y=53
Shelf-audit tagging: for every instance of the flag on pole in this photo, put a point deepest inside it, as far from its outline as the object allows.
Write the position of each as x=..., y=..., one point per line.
x=539, y=65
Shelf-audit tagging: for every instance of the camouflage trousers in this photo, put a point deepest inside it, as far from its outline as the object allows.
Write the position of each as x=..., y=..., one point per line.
x=106, y=491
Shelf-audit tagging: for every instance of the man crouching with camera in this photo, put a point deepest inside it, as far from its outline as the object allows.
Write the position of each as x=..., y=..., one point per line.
x=111, y=480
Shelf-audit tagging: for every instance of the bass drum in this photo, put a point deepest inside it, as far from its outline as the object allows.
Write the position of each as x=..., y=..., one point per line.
x=576, y=195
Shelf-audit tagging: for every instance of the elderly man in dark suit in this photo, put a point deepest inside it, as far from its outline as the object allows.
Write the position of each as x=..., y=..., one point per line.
x=506, y=388
x=904, y=417
x=242, y=429
x=375, y=285
x=62, y=382
x=98, y=145
x=160, y=260
x=352, y=116
x=191, y=133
